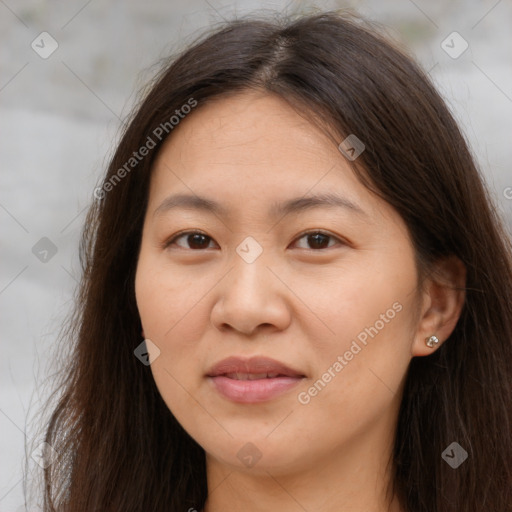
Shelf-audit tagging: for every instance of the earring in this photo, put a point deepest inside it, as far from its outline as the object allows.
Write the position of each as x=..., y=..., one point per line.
x=433, y=340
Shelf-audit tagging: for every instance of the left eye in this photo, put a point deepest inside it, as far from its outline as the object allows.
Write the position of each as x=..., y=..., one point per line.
x=196, y=240
x=318, y=239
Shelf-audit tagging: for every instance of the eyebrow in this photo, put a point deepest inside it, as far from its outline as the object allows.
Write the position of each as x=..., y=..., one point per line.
x=294, y=205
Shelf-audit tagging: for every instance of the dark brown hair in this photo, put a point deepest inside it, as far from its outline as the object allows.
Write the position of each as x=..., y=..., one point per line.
x=120, y=448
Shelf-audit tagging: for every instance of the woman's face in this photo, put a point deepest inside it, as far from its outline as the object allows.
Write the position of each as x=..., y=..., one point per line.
x=335, y=308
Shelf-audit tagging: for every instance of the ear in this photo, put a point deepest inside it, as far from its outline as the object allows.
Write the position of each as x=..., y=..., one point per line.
x=443, y=295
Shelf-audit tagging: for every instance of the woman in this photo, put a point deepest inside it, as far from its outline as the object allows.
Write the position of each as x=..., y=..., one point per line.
x=296, y=292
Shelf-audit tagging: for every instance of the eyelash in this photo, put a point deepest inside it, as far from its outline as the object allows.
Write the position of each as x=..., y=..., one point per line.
x=172, y=240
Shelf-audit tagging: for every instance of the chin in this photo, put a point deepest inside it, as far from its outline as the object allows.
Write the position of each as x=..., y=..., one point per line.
x=259, y=455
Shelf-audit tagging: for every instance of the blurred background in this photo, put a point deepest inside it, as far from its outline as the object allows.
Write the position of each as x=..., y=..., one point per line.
x=69, y=72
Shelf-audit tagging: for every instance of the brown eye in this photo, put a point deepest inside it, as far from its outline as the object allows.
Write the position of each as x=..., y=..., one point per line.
x=317, y=240
x=194, y=240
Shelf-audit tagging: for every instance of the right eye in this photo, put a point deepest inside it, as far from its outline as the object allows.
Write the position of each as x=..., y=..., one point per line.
x=196, y=240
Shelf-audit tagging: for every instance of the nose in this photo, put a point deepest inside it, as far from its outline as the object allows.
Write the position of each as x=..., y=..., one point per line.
x=251, y=298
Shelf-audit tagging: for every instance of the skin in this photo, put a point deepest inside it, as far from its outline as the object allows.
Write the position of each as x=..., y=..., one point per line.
x=296, y=303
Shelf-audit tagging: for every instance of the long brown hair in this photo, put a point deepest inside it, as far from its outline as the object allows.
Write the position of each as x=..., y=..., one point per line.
x=121, y=449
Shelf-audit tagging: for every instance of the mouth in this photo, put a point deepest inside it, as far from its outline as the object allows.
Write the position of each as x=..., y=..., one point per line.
x=254, y=380
x=253, y=376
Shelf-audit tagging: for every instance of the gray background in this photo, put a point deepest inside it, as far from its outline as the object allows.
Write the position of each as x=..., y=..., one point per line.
x=58, y=124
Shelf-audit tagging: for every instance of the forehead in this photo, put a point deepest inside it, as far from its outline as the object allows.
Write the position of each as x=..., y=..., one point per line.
x=243, y=129
x=254, y=145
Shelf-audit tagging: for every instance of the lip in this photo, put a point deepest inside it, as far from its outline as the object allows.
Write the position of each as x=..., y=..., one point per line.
x=222, y=375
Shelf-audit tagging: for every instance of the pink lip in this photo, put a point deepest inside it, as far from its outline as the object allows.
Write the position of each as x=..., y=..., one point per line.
x=253, y=391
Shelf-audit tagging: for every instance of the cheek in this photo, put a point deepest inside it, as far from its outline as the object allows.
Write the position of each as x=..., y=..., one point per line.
x=369, y=312
x=357, y=384
x=363, y=293
x=166, y=309
x=174, y=319
x=167, y=301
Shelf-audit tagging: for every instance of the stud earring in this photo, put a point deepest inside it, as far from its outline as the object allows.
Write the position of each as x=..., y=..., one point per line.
x=433, y=340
